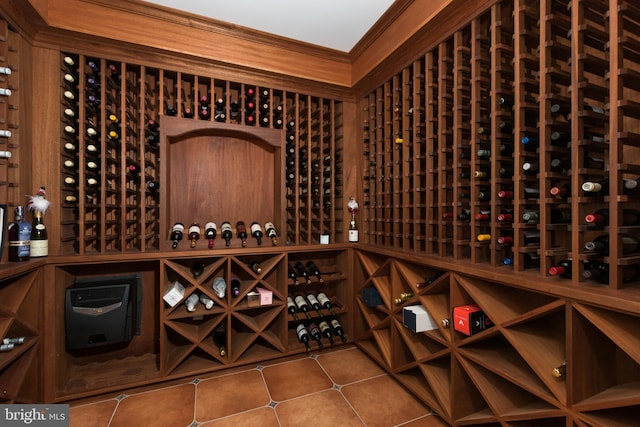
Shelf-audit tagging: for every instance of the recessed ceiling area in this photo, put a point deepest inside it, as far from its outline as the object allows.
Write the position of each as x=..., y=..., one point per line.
x=334, y=24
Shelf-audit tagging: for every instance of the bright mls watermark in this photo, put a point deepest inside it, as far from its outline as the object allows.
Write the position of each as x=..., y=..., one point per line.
x=34, y=415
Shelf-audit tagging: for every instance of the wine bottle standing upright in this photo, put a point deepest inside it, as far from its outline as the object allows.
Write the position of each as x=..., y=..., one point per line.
x=39, y=242
x=19, y=235
x=352, y=207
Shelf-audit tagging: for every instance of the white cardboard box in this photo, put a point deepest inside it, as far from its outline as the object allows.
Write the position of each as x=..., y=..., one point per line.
x=175, y=294
x=416, y=318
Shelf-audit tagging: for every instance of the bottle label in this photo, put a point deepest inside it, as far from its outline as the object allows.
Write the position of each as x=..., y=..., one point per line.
x=353, y=235
x=301, y=331
x=322, y=298
x=300, y=302
x=39, y=248
x=312, y=299
x=194, y=229
x=255, y=227
x=226, y=227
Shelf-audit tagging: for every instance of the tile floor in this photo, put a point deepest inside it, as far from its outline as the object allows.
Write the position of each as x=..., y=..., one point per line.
x=340, y=387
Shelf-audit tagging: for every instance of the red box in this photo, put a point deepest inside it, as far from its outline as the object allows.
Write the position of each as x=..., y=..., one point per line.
x=469, y=319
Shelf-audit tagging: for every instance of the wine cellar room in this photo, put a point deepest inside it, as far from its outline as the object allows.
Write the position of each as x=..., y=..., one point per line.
x=454, y=198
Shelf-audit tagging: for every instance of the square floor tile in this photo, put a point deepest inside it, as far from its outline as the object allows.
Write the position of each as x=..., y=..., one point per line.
x=325, y=409
x=294, y=379
x=347, y=366
x=230, y=394
x=382, y=402
x=165, y=407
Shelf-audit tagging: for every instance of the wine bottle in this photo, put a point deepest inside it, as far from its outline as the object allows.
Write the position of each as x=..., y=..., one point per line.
x=505, y=216
x=529, y=168
x=352, y=207
x=562, y=269
x=303, y=335
x=599, y=272
x=235, y=286
x=483, y=237
x=170, y=110
x=197, y=269
x=206, y=301
x=338, y=330
x=314, y=303
x=325, y=330
x=404, y=297
x=19, y=235
x=205, y=109
x=291, y=272
x=220, y=339
x=210, y=232
x=302, y=271
x=595, y=187
x=560, y=371
x=505, y=194
x=563, y=190
x=429, y=280
x=600, y=244
x=325, y=302
x=483, y=215
x=291, y=308
x=601, y=217
x=271, y=233
x=302, y=305
x=194, y=234
x=153, y=185
x=255, y=266
x=187, y=112
x=39, y=242
x=227, y=232
x=241, y=232
x=315, y=333
x=256, y=232
x=191, y=302
x=630, y=186
x=313, y=269
x=234, y=110
x=464, y=215
x=176, y=234
x=219, y=286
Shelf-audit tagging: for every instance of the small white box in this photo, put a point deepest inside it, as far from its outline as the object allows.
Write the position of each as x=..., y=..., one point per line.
x=324, y=239
x=416, y=318
x=175, y=294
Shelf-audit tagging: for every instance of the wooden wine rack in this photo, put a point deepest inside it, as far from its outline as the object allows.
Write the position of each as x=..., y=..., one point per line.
x=468, y=138
x=9, y=119
x=116, y=101
x=504, y=374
